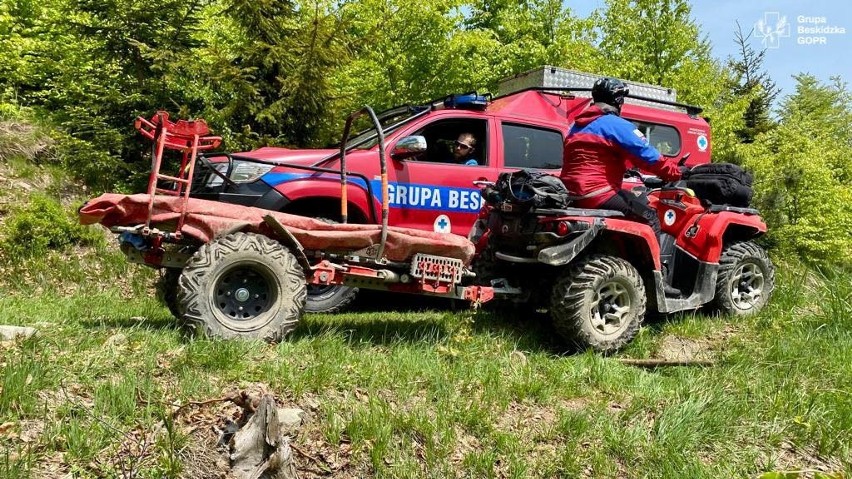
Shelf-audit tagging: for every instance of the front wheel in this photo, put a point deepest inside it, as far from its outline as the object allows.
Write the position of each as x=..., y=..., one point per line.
x=745, y=281
x=243, y=285
x=598, y=303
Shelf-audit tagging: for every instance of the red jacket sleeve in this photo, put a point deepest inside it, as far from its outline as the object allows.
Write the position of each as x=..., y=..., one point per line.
x=665, y=168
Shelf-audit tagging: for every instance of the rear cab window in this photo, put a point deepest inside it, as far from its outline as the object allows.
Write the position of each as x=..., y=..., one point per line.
x=526, y=146
x=665, y=138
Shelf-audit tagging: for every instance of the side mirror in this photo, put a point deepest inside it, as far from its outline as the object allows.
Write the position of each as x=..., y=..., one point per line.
x=409, y=147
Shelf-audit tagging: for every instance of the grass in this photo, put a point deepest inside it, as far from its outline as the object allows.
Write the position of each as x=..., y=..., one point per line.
x=417, y=390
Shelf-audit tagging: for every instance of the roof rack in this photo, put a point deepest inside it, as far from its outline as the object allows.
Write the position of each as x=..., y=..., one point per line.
x=691, y=110
x=550, y=78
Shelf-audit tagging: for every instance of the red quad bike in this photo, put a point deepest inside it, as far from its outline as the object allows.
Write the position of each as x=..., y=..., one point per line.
x=599, y=273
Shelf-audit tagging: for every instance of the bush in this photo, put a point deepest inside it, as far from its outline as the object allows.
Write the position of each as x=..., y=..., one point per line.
x=801, y=194
x=41, y=225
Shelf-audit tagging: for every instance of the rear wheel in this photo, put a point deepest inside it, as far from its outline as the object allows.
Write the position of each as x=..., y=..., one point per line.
x=745, y=281
x=598, y=303
x=167, y=290
x=329, y=298
x=243, y=285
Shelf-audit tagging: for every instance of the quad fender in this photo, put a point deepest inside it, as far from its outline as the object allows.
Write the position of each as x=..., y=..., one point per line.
x=632, y=240
x=289, y=241
x=638, y=241
x=563, y=254
x=707, y=236
x=356, y=194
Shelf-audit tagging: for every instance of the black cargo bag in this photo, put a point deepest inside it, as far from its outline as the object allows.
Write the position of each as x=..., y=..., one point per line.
x=721, y=184
x=532, y=188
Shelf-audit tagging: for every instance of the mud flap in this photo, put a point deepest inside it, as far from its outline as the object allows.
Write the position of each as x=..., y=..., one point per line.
x=703, y=291
x=563, y=254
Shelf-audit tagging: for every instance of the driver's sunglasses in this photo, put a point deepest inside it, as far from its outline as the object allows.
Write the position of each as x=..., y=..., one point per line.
x=462, y=145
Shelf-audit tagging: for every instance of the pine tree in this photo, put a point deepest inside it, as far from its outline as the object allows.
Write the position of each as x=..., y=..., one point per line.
x=752, y=81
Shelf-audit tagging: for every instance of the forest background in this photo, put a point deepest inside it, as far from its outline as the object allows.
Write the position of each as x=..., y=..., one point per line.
x=74, y=74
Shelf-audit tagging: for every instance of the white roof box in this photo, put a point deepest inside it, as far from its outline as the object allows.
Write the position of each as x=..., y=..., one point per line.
x=561, y=78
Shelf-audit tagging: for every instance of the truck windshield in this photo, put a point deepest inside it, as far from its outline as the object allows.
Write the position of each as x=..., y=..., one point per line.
x=390, y=120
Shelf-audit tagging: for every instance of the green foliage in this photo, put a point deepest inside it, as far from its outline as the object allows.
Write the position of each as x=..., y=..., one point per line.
x=658, y=42
x=40, y=225
x=287, y=72
x=802, y=173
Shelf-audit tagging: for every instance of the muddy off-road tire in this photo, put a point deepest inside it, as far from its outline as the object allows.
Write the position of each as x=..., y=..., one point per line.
x=331, y=298
x=167, y=290
x=598, y=303
x=242, y=285
x=745, y=281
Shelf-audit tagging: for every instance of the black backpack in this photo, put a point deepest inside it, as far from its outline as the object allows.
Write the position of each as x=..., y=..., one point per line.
x=721, y=184
x=531, y=188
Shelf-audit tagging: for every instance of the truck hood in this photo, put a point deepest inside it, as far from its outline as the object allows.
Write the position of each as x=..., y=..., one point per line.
x=287, y=156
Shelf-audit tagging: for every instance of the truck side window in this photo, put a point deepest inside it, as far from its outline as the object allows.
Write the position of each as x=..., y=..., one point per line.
x=529, y=147
x=664, y=138
x=441, y=137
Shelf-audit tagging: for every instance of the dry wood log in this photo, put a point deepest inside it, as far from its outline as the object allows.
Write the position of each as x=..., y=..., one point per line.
x=259, y=449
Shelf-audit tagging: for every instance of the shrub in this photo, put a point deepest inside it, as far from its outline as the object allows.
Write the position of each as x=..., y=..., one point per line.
x=803, y=197
x=41, y=225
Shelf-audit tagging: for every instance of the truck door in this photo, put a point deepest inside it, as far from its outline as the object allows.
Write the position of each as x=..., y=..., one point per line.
x=435, y=191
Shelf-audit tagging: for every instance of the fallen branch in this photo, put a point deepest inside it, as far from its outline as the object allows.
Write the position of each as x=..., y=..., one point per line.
x=318, y=462
x=654, y=363
x=199, y=403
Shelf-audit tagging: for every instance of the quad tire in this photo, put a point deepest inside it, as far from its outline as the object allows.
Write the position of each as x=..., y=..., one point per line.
x=330, y=299
x=598, y=303
x=242, y=285
x=167, y=291
x=745, y=281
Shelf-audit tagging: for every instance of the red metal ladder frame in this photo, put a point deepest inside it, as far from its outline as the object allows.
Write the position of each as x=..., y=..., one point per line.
x=188, y=137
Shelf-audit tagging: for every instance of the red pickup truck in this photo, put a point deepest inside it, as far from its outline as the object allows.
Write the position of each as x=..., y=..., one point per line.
x=427, y=189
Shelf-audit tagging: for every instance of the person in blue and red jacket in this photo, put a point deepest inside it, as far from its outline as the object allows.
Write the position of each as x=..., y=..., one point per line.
x=597, y=150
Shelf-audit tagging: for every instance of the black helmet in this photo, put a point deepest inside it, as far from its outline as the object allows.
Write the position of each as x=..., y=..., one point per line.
x=610, y=91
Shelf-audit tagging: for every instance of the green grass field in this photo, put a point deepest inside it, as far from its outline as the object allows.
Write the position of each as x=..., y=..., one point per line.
x=407, y=387
x=414, y=389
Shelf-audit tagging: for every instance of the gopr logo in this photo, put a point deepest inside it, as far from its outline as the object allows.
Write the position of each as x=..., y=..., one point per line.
x=429, y=197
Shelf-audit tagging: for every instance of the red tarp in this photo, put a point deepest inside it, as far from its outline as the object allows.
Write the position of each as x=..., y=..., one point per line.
x=206, y=220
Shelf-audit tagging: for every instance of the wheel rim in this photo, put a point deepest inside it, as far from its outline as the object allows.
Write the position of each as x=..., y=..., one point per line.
x=747, y=286
x=244, y=293
x=610, y=308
